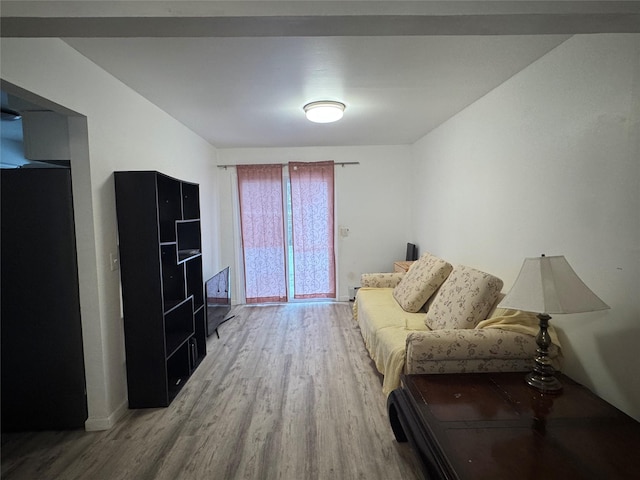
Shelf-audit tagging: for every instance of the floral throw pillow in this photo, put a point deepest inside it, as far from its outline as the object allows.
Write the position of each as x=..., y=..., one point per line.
x=464, y=299
x=418, y=284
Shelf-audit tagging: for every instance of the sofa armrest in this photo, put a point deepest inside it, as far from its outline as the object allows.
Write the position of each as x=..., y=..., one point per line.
x=381, y=280
x=465, y=350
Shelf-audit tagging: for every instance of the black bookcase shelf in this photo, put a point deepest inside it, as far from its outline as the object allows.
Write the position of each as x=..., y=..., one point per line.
x=162, y=288
x=188, y=235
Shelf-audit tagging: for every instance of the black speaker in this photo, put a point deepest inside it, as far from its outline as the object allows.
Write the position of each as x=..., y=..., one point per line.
x=193, y=354
x=412, y=252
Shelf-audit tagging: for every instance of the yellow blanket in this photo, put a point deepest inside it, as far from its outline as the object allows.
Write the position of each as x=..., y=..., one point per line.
x=518, y=321
x=384, y=326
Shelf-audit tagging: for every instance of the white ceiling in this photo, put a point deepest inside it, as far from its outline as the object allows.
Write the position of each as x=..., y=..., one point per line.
x=242, y=79
x=249, y=92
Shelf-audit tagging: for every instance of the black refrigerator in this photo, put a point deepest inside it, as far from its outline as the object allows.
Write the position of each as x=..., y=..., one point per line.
x=43, y=376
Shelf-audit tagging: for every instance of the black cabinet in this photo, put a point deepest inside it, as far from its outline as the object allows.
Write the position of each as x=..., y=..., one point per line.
x=43, y=377
x=162, y=287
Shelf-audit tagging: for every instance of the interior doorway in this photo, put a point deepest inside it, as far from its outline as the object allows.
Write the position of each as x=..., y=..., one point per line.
x=74, y=141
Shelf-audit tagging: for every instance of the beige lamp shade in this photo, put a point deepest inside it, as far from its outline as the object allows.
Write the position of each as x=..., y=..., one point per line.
x=549, y=285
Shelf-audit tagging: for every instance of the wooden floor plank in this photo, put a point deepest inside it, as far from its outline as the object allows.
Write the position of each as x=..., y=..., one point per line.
x=288, y=392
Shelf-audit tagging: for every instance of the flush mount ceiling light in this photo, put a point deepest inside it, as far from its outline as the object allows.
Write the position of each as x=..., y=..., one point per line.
x=324, y=112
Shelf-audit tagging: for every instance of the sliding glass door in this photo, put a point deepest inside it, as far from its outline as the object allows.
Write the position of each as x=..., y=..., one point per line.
x=263, y=237
x=287, y=220
x=313, y=230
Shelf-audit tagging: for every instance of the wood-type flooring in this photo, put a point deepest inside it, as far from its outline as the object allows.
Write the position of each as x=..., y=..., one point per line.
x=288, y=392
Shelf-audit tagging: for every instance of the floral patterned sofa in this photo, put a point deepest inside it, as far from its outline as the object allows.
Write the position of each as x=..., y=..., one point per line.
x=437, y=318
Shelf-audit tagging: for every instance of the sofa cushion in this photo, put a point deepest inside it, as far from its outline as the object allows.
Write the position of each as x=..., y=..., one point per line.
x=379, y=310
x=464, y=299
x=418, y=284
x=381, y=280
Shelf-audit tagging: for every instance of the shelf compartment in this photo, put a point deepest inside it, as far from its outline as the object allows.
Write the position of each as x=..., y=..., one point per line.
x=190, y=201
x=173, y=281
x=195, y=286
x=188, y=238
x=178, y=326
x=178, y=371
x=169, y=206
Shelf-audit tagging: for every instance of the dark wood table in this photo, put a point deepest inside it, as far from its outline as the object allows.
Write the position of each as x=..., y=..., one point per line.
x=494, y=426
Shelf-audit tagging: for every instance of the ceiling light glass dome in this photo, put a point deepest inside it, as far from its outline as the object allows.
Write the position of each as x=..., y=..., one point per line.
x=324, y=112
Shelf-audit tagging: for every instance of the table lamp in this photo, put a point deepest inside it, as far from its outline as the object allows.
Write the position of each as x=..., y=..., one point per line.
x=549, y=285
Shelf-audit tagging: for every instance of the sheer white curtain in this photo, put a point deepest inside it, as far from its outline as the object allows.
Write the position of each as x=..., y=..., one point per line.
x=312, y=213
x=262, y=220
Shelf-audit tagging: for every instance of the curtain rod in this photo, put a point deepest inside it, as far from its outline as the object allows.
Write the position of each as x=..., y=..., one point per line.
x=285, y=164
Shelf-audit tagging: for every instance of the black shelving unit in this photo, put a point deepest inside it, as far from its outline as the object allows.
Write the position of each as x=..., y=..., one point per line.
x=162, y=287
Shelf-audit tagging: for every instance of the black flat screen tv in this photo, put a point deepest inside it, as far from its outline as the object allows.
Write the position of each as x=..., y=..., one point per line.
x=218, y=292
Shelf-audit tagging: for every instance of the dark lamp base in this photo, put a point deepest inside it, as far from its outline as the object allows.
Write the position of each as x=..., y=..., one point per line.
x=542, y=378
x=544, y=384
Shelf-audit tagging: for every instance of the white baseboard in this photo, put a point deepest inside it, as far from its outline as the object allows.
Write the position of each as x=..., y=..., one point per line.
x=105, y=423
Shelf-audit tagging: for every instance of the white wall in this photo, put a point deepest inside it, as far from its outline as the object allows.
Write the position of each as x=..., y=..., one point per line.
x=372, y=201
x=122, y=131
x=549, y=162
